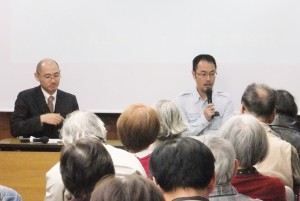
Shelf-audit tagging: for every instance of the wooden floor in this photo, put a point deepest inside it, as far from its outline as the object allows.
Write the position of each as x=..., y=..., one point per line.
x=26, y=172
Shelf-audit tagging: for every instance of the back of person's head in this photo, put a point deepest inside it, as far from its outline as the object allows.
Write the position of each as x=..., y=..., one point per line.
x=127, y=188
x=171, y=121
x=182, y=163
x=285, y=104
x=203, y=57
x=83, y=164
x=259, y=100
x=248, y=138
x=81, y=124
x=138, y=127
x=223, y=151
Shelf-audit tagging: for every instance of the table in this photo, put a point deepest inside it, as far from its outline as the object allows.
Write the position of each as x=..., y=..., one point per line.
x=14, y=144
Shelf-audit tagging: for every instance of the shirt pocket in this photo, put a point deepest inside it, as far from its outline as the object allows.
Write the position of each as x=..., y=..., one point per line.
x=193, y=118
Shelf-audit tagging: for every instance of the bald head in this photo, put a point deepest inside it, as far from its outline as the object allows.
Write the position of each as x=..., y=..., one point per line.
x=45, y=62
x=259, y=100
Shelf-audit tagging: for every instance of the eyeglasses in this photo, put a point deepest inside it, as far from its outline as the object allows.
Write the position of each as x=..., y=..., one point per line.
x=49, y=76
x=205, y=75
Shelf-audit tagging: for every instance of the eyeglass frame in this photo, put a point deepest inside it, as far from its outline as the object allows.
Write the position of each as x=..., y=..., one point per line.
x=205, y=75
x=55, y=76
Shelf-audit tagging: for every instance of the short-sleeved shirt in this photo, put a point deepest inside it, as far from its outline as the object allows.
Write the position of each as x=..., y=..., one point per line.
x=193, y=106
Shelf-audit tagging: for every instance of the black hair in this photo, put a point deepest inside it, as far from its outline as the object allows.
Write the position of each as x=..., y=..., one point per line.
x=203, y=57
x=285, y=103
x=182, y=163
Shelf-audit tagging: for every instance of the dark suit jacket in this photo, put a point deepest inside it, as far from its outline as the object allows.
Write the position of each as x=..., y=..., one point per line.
x=30, y=104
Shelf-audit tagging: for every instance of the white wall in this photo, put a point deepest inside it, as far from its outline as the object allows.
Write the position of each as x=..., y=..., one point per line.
x=115, y=53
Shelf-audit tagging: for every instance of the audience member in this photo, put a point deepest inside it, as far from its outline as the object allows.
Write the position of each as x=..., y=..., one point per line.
x=183, y=168
x=84, y=124
x=250, y=142
x=8, y=194
x=171, y=122
x=225, y=168
x=285, y=122
x=127, y=188
x=82, y=165
x=282, y=160
x=198, y=111
x=40, y=111
x=138, y=127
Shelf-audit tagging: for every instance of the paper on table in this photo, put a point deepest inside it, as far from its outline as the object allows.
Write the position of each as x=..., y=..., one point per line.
x=59, y=141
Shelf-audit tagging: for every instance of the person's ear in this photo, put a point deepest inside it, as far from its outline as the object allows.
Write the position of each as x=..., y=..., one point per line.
x=36, y=77
x=236, y=165
x=271, y=119
x=212, y=183
x=242, y=109
x=194, y=74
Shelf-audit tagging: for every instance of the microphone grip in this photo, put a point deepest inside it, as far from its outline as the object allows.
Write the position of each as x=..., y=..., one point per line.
x=209, y=95
x=209, y=99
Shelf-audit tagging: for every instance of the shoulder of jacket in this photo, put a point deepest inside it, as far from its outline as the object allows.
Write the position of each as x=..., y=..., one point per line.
x=64, y=93
x=29, y=91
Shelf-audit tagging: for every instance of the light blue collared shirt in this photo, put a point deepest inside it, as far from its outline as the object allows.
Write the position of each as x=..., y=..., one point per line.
x=192, y=107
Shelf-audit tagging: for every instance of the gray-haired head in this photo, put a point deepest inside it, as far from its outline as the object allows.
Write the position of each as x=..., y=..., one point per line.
x=248, y=138
x=81, y=124
x=171, y=121
x=224, y=154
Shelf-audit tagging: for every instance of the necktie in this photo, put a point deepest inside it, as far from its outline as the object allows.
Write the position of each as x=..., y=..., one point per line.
x=50, y=103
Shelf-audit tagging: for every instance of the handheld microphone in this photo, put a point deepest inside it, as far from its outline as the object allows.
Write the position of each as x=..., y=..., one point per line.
x=209, y=99
x=209, y=95
x=43, y=140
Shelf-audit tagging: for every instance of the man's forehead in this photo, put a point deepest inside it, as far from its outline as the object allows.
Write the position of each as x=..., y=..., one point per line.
x=49, y=66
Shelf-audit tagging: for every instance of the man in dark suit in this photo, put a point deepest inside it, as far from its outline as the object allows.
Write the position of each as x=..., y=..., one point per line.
x=40, y=111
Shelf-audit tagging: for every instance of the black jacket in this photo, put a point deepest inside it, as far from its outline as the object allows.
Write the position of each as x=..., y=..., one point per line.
x=30, y=104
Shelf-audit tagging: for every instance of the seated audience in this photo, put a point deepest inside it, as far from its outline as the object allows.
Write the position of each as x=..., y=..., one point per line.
x=251, y=145
x=84, y=124
x=282, y=160
x=225, y=168
x=183, y=168
x=127, y=188
x=82, y=165
x=285, y=122
x=138, y=127
x=171, y=122
x=8, y=194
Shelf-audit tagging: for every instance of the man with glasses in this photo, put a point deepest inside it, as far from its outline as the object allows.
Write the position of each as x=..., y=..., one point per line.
x=40, y=111
x=200, y=114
